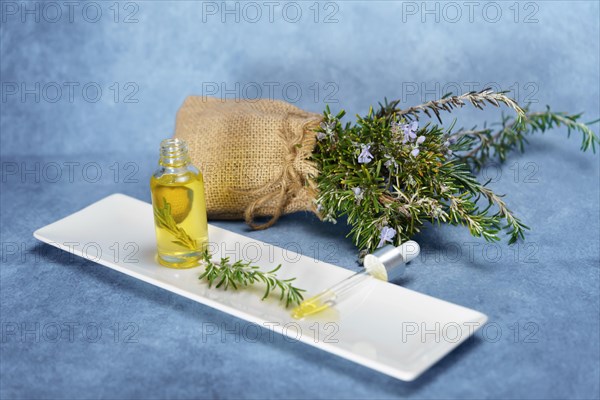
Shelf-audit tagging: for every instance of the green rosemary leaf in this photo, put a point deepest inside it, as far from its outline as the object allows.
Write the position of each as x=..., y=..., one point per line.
x=275, y=269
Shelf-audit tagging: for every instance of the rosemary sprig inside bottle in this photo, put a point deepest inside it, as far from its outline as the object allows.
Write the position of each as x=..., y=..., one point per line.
x=164, y=219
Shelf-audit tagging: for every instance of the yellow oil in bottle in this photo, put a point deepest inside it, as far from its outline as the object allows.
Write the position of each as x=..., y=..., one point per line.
x=179, y=208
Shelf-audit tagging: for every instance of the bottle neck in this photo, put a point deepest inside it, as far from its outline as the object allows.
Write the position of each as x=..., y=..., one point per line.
x=174, y=153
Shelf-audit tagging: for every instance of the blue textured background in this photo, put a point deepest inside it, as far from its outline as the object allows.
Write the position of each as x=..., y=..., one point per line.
x=547, y=287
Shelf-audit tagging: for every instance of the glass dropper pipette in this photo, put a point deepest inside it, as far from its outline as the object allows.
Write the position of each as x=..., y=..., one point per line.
x=386, y=263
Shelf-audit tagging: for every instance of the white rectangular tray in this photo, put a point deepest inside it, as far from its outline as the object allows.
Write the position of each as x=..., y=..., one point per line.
x=383, y=326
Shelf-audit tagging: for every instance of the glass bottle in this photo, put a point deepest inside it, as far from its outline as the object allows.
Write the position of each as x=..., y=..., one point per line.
x=179, y=207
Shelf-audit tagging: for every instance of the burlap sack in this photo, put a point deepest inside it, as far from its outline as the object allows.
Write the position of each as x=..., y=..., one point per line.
x=253, y=155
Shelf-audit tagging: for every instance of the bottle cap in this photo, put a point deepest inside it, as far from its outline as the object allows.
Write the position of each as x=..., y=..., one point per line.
x=389, y=262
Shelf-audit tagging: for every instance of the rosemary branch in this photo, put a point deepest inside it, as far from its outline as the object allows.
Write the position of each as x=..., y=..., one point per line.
x=237, y=274
x=164, y=219
x=388, y=176
x=448, y=103
x=481, y=145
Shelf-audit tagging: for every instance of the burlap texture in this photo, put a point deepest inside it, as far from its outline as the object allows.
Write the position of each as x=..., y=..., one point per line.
x=253, y=155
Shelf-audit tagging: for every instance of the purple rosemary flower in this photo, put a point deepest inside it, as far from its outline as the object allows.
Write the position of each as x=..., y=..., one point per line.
x=328, y=127
x=387, y=234
x=420, y=139
x=410, y=131
x=358, y=193
x=391, y=162
x=365, y=155
x=415, y=152
x=451, y=140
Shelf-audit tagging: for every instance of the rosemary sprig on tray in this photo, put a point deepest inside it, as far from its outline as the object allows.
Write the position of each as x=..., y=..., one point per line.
x=239, y=273
x=225, y=274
